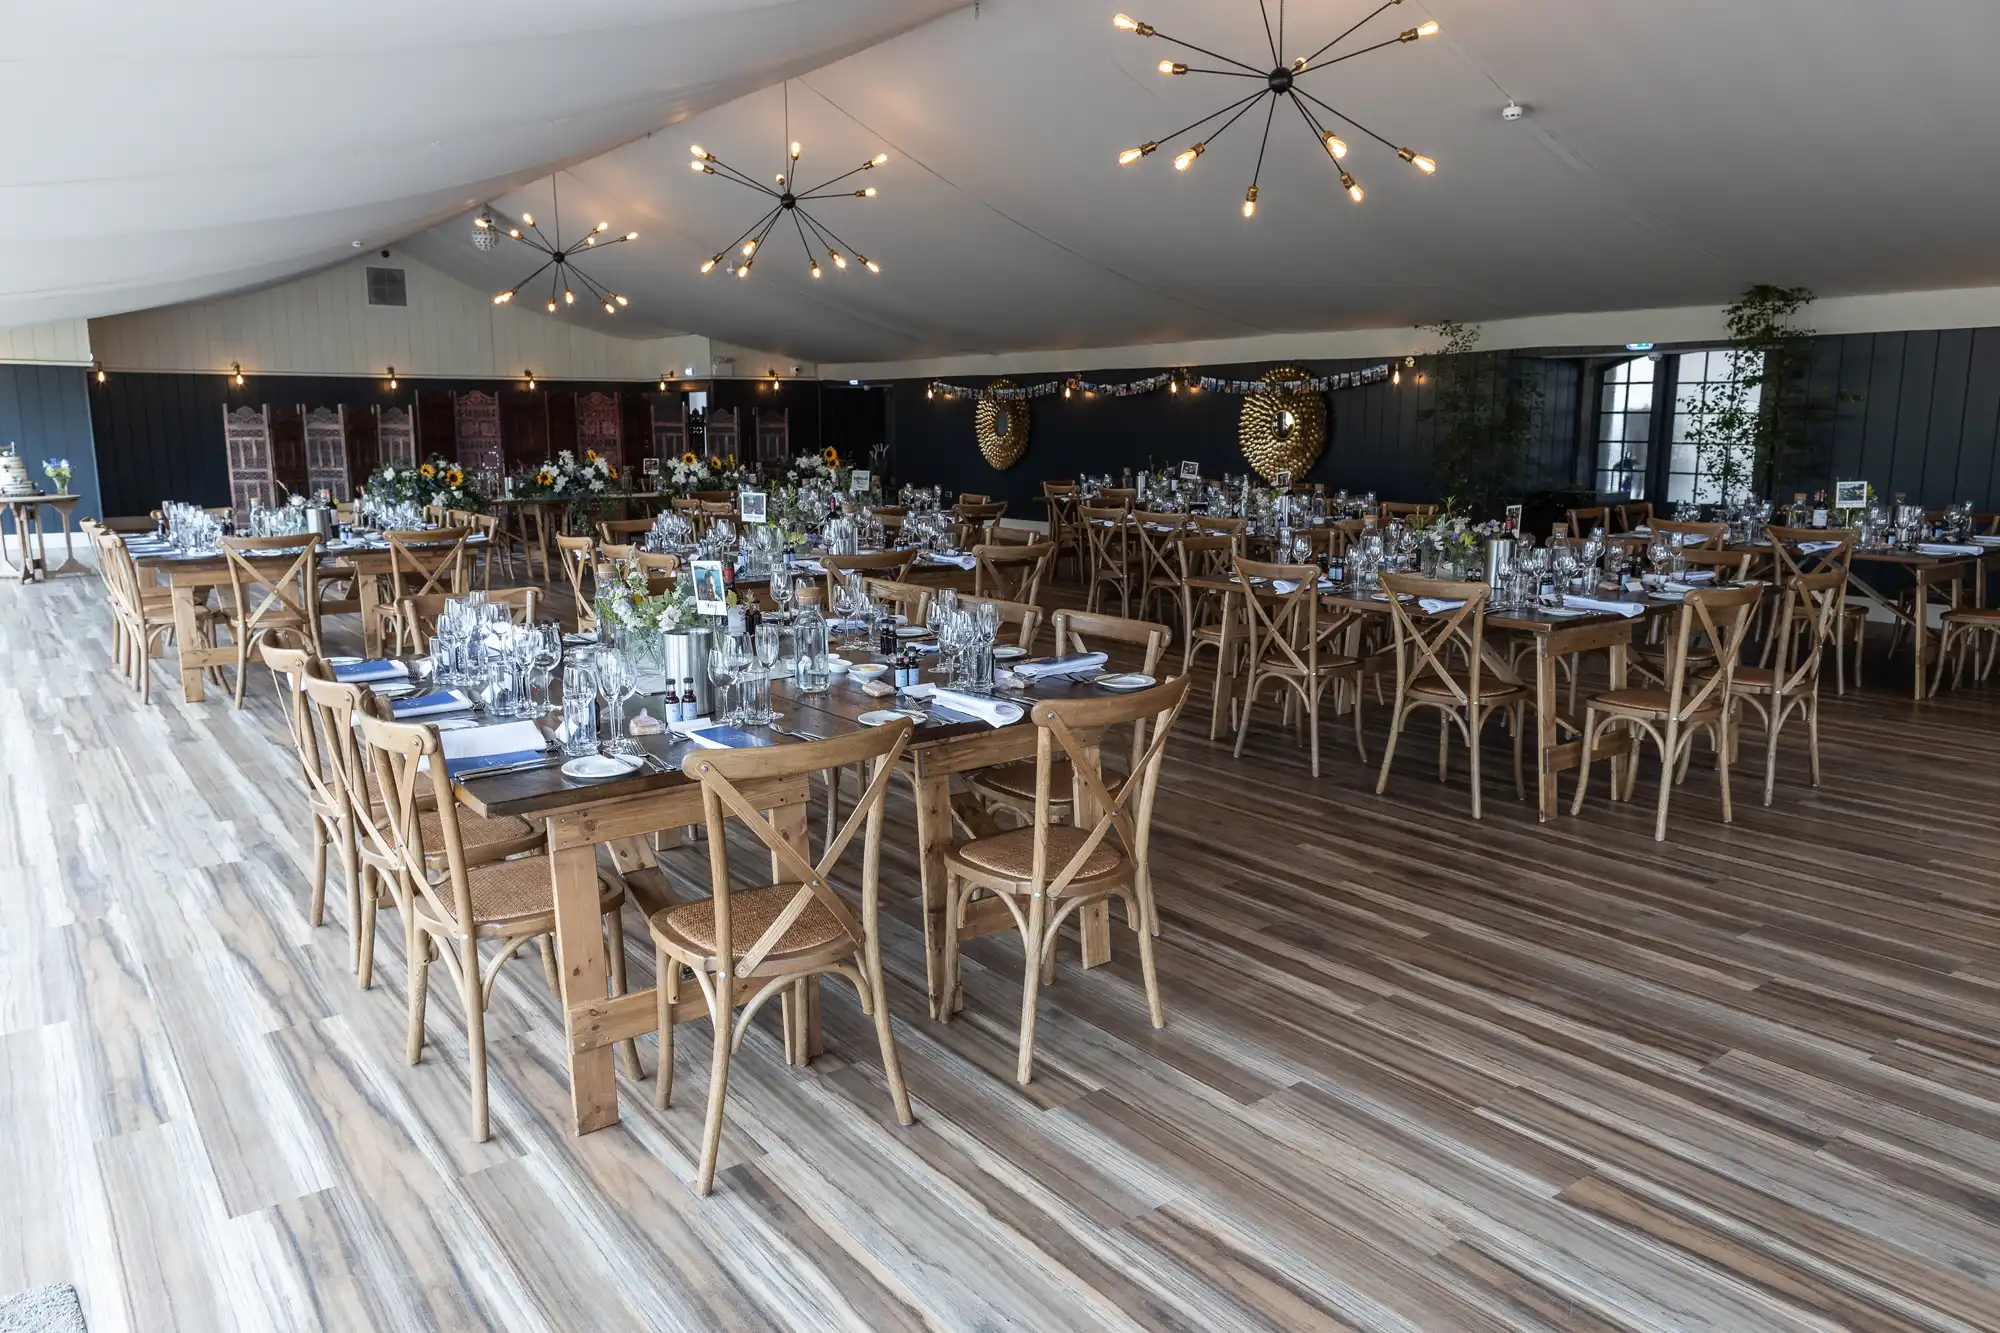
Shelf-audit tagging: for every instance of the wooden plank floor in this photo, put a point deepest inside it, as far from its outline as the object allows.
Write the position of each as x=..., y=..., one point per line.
x=1418, y=1074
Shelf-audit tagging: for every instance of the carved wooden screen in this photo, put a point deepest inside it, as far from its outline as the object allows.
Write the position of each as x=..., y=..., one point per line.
x=597, y=427
x=395, y=437
x=246, y=435
x=326, y=452
x=478, y=430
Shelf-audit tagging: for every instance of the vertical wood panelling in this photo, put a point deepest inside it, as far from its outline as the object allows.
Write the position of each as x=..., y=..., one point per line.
x=65, y=342
x=1949, y=382
x=1979, y=434
x=45, y=413
x=1880, y=407
x=1913, y=413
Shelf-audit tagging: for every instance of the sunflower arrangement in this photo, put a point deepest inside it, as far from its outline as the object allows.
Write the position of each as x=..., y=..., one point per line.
x=812, y=469
x=435, y=481
x=687, y=474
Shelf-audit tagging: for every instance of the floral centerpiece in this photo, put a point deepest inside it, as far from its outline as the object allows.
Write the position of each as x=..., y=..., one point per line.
x=436, y=481
x=810, y=469
x=1447, y=545
x=586, y=483
x=688, y=473
x=58, y=471
x=625, y=603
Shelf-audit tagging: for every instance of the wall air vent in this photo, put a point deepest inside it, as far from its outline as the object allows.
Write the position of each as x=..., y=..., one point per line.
x=386, y=286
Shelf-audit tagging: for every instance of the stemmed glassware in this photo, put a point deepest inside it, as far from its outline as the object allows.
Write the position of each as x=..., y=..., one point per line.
x=548, y=651
x=616, y=682
x=769, y=639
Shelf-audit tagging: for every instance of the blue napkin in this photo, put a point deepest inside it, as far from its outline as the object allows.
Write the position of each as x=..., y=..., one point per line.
x=444, y=701
x=361, y=673
x=474, y=763
x=727, y=738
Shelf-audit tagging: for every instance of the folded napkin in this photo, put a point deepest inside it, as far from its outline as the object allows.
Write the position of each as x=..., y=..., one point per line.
x=993, y=712
x=690, y=725
x=363, y=673
x=727, y=738
x=1984, y=540
x=1437, y=604
x=1697, y=576
x=1285, y=587
x=1814, y=548
x=1064, y=664
x=499, y=746
x=808, y=567
x=963, y=560
x=1689, y=538
x=1626, y=609
x=1948, y=548
x=430, y=705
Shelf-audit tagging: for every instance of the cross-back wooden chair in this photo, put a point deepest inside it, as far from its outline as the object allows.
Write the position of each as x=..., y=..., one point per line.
x=890, y=517
x=465, y=899
x=1060, y=499
x=422, y=562
x=972, y=522
x=326, y=792
x=624, y=531
x=1157, y=569
x=1011, y=573
x=1217, y=524
x=420, y=614
x=912, y=601
x=1346, y=532
x=1727, y=566
x=1123, y=497
x=1012, y=786
x=1442, y=664
x=1690, y=703
x=1107, y=533
x=1023, y=618
x=1000, y=534
x=1712, y=535
x=744, y=946
x=1638, y=514
x=1808, y=616
x=891, y=565
x=492, y=548
x=579, y=561
x=1202, y=609
x=142, y=616
x=273, y=584
x=1286, y=647
x=657, y=562
x=1581, y=521
x=609, y=557
x=1796, y=551
x=1044, y=873
x=1421, y=511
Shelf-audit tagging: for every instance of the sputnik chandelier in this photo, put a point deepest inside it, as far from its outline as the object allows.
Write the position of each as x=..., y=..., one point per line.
x=561, y=258
x=1280, y=81
x=789, y=200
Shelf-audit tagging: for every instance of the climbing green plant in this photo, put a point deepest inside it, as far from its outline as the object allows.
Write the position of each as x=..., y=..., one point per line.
x=1485, y=410
x=1752, y=426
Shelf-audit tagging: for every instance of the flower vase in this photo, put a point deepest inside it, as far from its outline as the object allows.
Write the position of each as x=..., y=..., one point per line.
x=643, y=649
x=1428, y=562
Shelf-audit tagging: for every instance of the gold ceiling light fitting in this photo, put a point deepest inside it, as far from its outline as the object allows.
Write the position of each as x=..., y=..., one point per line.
x=392, y=378
x=97, y=369
x=560, y=262
x=1282, y=431
x=236, y=373
x=1281, y=81
x=530, y=377
x=787, y=199
x=1001, y=427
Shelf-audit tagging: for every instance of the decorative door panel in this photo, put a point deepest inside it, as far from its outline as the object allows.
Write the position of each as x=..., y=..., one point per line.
x=773, y=435
x=722, y=433
x=597, y=427
x=246, y=435
x=477, y=418
x=670, y=429
x=395, y=437
x=326, y=452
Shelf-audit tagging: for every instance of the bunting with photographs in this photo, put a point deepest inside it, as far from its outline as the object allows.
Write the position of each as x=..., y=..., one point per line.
x=1172, y=381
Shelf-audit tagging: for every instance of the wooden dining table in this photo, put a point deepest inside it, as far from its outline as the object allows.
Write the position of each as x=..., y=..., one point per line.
x=26, y=512
x=191, y=576
x=1555, y=635
x=581, y=816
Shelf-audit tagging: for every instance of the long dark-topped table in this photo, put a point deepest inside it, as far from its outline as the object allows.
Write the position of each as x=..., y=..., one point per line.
x=1555, y=635
x=581, y=816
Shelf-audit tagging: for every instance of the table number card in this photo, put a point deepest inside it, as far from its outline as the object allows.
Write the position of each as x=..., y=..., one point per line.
x=859, y=482
x=1850, y=495
x=751, y=504
x=711, y=594
x=1190, y=470
x=1283, y=481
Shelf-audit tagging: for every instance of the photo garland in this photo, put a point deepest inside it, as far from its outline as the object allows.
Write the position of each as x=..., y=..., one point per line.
x=1003, y=391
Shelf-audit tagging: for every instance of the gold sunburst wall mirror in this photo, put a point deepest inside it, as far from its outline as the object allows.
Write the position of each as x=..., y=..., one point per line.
x=1283, y=431
x=1002, y=427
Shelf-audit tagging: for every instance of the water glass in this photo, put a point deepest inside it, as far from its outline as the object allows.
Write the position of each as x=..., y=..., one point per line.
x=616, y=682
x=812, y=672
x=579, y=709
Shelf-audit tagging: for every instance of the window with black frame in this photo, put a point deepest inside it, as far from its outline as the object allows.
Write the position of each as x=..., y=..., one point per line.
x=1625, y=426
x=1714, y=395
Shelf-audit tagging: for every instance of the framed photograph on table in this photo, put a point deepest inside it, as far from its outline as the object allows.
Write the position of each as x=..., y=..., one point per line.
x=1850, y=495
x=711, y=594
x=1190, y=470
x=751, y=504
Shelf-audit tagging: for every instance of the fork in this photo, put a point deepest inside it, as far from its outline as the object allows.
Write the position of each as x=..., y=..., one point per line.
x=797, y=735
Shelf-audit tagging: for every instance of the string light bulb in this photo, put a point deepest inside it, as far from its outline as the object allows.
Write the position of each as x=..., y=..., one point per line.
x=1250, y=202
x=869, y=264
x=878, y=159
x=1172, y=67
x=559, y=259
x=1353, y=190
x=1185, y=158
x=503, y=298
x=815, y=270
x=1417, y=160
x=1131, y=155
x=711, y=263
x=1126, y=23
x=796, y=150
x=528, y=218
x=1336, y=147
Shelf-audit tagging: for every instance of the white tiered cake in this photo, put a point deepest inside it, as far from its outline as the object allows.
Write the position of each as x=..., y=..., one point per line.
x=14, y=479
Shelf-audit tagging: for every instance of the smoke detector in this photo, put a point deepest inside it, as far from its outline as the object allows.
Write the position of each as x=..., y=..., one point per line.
x=1513, y=111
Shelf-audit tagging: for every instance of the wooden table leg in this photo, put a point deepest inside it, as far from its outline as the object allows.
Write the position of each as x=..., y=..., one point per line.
x=187, y=642
x=1619, y=655
x=1920, y=622
x=593, y=1083
x=369, y=596
x=1547, y=730
x=789, y=821
x=1093, y=923
x=933, y=792
x=23, y=571
x=1225, y=678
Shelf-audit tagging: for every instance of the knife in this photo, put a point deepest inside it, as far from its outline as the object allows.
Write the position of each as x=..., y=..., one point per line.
x=510, y=768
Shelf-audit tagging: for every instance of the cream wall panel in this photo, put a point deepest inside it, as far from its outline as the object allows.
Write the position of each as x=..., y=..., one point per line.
x=66, y=342
x=322, y=324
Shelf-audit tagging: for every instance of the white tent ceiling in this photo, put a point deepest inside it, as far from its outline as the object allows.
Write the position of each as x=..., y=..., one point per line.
x=1672, y=154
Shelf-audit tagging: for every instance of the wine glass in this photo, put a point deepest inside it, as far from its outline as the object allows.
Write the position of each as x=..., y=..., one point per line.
x=616, y=682
x=769, y=641
x=548, y=651
x=722, y=676
x=781, y=592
